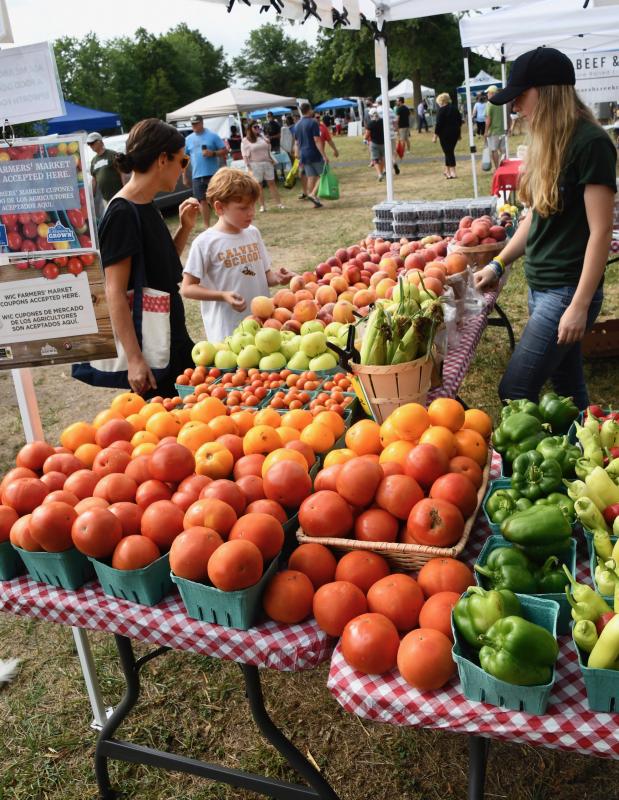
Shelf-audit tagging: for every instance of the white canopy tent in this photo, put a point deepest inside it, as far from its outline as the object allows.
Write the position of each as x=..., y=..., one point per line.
x=229, y=101
x=406, y=90
x=347, y=13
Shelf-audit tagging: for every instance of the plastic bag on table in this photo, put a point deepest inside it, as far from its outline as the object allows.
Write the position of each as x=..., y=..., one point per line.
x=473, y=302
x=447, y=336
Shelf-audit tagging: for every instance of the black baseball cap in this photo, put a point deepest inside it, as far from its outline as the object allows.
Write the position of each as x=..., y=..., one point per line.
x=196, y=118
x=543, y=66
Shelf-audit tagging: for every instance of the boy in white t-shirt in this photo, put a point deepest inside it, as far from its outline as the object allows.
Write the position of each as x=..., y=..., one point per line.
x=228, y=264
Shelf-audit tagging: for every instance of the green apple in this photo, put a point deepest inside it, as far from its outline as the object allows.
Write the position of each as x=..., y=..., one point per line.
x=291, y=347
x=324, y=361
x=287, y=335
x=221, y=347
x=298, y=361
x=334, y=329
x=312, y=326
x=426, y=294
x=268, y=340
x=410, y=291
x=248, y=357
x=272, y=362
x=225, y=359
x=248, y=326
x=240, y=340
x=313, y=344
x=203, y=354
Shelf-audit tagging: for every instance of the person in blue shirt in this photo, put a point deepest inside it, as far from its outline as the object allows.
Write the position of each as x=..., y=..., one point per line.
x=310, y=151
x=205, y=149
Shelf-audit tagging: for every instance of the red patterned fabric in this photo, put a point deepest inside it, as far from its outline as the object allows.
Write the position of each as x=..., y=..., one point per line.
x=568, y=724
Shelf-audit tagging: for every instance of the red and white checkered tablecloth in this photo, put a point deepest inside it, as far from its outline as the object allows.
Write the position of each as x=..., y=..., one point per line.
x=281, y=647
x=568, y=724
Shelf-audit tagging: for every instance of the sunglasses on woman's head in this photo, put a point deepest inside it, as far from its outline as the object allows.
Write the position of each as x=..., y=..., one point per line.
x=184, y=162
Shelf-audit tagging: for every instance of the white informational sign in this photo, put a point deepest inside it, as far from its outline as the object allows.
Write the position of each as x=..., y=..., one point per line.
x=6, y=35
x=597, y=76
x=29, y=84
x=54, y=309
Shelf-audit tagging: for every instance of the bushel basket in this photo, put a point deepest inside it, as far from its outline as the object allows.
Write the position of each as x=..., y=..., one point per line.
x=479, y=256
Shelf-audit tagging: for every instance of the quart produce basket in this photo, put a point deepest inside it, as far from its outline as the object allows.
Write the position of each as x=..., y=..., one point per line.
x=11, y=564
x=479, y=256
x=146, y=586
x=564, y=619
x=479, y=685
x=231, y=609
x=407, y=557
x=183, y=391
x=68, y=570
x=602, y=685
x=499, y=483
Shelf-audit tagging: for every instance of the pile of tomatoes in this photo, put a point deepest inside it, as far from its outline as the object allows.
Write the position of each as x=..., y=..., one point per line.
x=51, y=268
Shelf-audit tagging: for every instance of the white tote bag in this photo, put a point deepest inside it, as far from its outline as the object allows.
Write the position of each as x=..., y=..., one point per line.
x=486, y=163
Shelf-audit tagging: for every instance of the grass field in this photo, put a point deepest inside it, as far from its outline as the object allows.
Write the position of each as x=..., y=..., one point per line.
x=194, y=705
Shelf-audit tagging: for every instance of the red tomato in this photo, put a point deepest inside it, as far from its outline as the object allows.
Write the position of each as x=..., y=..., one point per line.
x=96, y=533
x=399, y=598
x=263, y=530
x=116, y=488
x=457, y=489
x=61, y=496
x=24, y=494
x=33, y=455
x=370, y=644
x=376, y=525
x=235, y=565
x=109, y=460
x=191, y=551
x=252, y=487
x=358, y=481
x=336, y=603
x=325, y=514
x=194, y=484
x=139, y=469
x=151, y=491
x=288, y=483
x=424, y=659
x=162, y=521
x=8, y=517
x=130, y=516
x=227, y=491
x=81, y=483
x=436, y=612
x=397, y=494
x=50, y=526
x=55, y=480
x=467, y=466
x=249, y=465
x=174, y=463
x=134, y=552
x=434, y=522
x=425, y=463
x=265, y=506
x=326, y=478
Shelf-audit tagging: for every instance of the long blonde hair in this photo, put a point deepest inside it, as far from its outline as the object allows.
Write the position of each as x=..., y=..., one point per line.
x=558, y=110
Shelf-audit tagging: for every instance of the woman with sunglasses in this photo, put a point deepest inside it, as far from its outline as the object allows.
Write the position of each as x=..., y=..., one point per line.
x=133, y=235
x=256, y=150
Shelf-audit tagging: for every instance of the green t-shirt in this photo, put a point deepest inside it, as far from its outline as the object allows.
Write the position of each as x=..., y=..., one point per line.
x=556, y=245
x=497, y=125
x=107, y=176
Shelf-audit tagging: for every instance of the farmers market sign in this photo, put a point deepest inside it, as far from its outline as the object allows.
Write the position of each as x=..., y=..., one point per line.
x=597, y=76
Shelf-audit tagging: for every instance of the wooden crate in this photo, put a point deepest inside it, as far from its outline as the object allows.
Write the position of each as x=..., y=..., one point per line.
x=602, y=341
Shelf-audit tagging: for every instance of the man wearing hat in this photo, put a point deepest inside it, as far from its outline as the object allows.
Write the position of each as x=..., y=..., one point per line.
x=495, y=128
x=205, y=149
x=105, y=176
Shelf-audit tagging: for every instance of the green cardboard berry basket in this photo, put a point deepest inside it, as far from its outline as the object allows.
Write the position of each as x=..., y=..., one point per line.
x=484, y=688
x=499, y=483
x=183, y=391
x=593, y=564
x=67, y=570
x=146, y=586
x=231, y=609
x=11, y=564
x=564, y=619
x=602, y=685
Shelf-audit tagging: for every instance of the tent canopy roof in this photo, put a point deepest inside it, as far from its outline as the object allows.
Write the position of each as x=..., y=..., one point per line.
x=480, y=82
x=406, y=89
x=81, y=118
x=230, y=101
x=336, y=102
x=276, y=110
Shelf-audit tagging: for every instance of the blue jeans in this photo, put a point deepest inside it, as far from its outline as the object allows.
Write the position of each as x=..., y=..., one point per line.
x=538, y=358
x=199, y=187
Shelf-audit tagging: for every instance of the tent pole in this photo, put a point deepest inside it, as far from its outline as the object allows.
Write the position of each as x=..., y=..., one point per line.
x=469, y=121
x=504, y=81
x=382, y=72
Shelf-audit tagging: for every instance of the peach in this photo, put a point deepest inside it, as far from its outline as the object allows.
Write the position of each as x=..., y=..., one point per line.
x=414, y=261
x=362, y=298
x=353, y=273
x=303, y=294
x=334, y=261
x=325, y=294
x=497, y=232
x=343, y=311
x=347, y=295
x=322, y=269
x=455, y=262
x=466, y=222
x=308, y=277
x=262, y=307
x=305, y=310
x=284, y=298
x=296, y=283
x=414, y=276
x=469, y=240
x=480, y=229
x=433, y=285
x=282, y=314
x=292, y=325
x=388, y=265
x=339, y=283
x=435, y=272
x=341, y=254
x=359, y=285
x=312, y=286
x=353, y=251
x=429, y=254
x=383, y=286
x=377, y=277
x=273, y=323
x=382, y=247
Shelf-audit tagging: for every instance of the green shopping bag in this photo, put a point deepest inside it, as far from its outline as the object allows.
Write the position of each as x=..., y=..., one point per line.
x=291, y=177
x=328, y=186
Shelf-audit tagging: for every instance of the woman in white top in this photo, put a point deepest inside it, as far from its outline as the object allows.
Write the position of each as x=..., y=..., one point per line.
x=256, y=150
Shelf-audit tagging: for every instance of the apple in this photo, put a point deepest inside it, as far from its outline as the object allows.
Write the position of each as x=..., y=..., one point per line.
x=291, y=347
x=313, y=344
x=298, y=361
x=410, y=291
x=248, y=357
x=312, y=326
x=225, y=359
x=272, y=362
x=240, y=340
x=203, y=354
x=268, y=340
x=323, y=362
x=248, y=325
x=334, y=329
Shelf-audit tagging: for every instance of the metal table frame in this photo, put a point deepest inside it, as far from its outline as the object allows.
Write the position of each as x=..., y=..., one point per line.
x=108, y=747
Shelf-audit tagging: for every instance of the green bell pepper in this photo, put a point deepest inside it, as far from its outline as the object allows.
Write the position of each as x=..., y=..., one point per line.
x=478, y=609
x=519, y=652
x=558, y=411
x=535, y=476
x=517, y=434
x=562, y=501
x=586, y=602
x=540, y=531
x=559, y=448
x=501, y=504
x=523, y=406
x=550, y=578
x=508, y=568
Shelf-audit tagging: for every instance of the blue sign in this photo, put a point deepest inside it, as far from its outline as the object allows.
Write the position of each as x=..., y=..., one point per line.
x=58, y=233
x=3, y=237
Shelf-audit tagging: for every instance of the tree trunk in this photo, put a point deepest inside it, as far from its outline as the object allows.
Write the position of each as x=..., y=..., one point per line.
x=417, y=87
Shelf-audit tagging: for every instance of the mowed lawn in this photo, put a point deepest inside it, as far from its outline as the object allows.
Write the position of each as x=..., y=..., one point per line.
x=195, y=705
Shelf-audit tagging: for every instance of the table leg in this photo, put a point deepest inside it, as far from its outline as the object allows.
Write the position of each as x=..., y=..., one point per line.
x=503, y=322
x=478, y=757
x=89, y=671
x=107, y=747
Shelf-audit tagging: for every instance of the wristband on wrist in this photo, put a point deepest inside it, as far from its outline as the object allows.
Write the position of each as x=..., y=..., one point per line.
x=497, y=266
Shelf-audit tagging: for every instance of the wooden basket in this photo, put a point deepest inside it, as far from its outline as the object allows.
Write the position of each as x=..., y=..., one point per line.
x=480, y=256
x=407, y=557
x=388, y=388
x=602, y=341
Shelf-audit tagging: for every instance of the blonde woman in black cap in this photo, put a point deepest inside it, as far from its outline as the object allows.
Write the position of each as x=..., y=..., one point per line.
x=568, y=184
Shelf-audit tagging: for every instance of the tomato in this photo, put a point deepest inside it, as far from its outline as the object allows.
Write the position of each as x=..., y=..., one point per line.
x=194, y=484
x=61, y=496
x=397, y=494
x=316, y=561
x=327, y=478
x=62, y=462
x=191, y=551
x=91, y=502
x=134, y=552
x=162, y=521
x=139, y=469
x=249, y=465
x=112, y=431
x=214, y=460
x=20, y=535
x=82, y=483
x=109, y=460
x=425, y=463
x=335, y=604
x=18, y=472
x=151, y=491
x=288, y=483
x=457, y=489
x=50, y=526
x=370, y=644
x=116, y=488
x=263, y=530
x=55, y=480
x=227, y=491
x=252, y=487
x=288, y=597
x=436, y=612
x=235, y=565
x=130, y=516
x=210, y=512
x=358, y=481
x=424, y=659
x=96, y=533
x=467, y=466
x=24, y=494
x=174, y=462
x=325, y=514
x=271, y=507
x=376, y=525
x=444, y=575
x=8, y=517
x=33, y=455
x=399, y=598
x=434, y=522
x=361, y=567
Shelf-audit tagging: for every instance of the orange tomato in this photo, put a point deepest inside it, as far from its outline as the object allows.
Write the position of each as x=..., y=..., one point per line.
x=388, y=432
x=127, y=403
x=244, y=420
x=287, y=434
x=268, y=416
x=410, y=421
x=397, y=452
x=163, y=424
x=208, y=409
x=298, y=418
x=150, y=409
x=424, y=659
x=364, y=437
x=87, y=453
x=441, y=437
x=472, y=444
x=77, y=434
x=319, y=437
x=194, y=434
x=144, y=436
x=105, y=416
x=332, y=420
x=214, y=460
x=447, y=412
x=223, y=425
x=261, y=439
x=283, y=454
x=477, y=420
x=339, y=456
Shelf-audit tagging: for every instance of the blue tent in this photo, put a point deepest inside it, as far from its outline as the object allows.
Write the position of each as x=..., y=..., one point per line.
x=80, y=118
x=337, y=102
x=276, y=111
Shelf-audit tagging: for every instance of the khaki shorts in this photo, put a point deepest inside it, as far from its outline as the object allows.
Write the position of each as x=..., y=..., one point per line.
x=404, y=134
x=262, y=170
x=496, y=143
